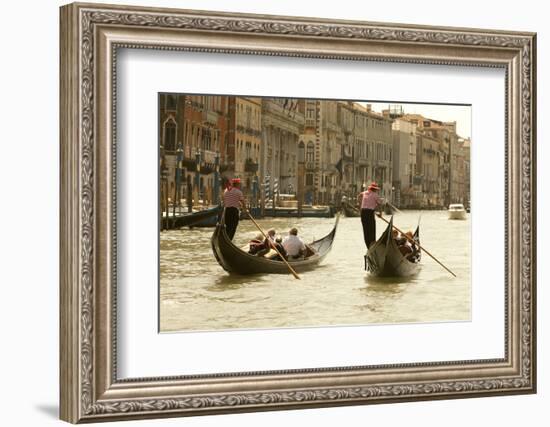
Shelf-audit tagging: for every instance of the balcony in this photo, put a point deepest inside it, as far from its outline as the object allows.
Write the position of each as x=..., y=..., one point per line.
x=281, y=113
x=249, y=131
x=208, y=156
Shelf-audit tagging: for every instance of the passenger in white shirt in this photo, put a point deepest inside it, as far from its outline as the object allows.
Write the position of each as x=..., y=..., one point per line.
x=294, y=246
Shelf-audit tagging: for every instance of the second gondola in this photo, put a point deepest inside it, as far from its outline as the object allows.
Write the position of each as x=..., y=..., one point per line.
x=385, y=259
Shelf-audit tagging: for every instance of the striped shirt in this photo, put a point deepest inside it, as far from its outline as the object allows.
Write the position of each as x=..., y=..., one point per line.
x=232, y=197
x=370, y=199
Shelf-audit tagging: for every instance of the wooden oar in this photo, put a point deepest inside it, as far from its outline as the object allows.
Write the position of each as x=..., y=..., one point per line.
x=418, y=244
x=272, y=244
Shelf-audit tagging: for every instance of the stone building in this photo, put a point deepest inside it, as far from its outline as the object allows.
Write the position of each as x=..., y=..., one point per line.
x=407, y=188
x=346, y=119
x=193, y=128
x=331, y=142
x=374, y=149
x=244, y=143
x=417, y=161
x=429, y=163
x=310, y=141
x=441, y=161
x=347, y=146
x=282, y=123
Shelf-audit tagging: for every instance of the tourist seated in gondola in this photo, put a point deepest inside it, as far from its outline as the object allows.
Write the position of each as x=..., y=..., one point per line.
x=414, y=254
x=257, y=246
x=294, y=245
x=260, y=246
x=405, y=243
x=279, y=245
x=398, y=237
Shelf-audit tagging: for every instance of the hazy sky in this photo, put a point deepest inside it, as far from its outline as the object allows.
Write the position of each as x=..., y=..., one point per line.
x=444, y=113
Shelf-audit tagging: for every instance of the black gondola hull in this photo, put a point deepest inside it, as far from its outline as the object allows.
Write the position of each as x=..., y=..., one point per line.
x=195, y=219
x=384, y=259
x=235, y=260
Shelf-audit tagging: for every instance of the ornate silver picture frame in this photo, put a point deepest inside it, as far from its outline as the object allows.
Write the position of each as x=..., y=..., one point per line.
x=91, y=390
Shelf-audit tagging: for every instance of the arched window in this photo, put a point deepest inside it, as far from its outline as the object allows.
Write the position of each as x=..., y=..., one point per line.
x=301, y=151
x=310, y=153
x=206, y=139
x=170, y=135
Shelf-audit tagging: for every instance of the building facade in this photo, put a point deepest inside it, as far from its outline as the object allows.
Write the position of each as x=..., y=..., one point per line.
x=407, y=188
x=244, y=144
x=193, y=135
x=317, y=150
x=282, y=123
x=331, y=142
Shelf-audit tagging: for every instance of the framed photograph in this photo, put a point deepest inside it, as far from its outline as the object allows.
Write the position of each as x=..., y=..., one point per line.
x=267, y=212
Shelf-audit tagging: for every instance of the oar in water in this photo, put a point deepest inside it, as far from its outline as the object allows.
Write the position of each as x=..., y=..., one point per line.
x=418, y=244
x=272, y=245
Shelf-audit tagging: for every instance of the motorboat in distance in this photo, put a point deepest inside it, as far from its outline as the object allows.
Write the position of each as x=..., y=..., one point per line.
x=457, y=211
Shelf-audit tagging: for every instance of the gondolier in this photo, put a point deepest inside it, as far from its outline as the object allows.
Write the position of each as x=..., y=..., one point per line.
x=232, y=200
x=369, y=201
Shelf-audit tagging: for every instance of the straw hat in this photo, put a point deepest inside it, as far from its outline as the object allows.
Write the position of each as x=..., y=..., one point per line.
x=374, y=187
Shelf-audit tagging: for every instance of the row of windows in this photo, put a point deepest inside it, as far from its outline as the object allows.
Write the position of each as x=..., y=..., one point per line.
x=251, y=150
x=361, y=121
x=379, y=150
x=206, y=138
x=248, y=116
x=213, y=103
x=364, y=122
x=209, y=138
x=326, y=180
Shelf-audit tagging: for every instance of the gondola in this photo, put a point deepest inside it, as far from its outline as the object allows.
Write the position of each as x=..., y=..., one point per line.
x=235, y=260
x=385, y=259
x=349, y=210
x=204, y=218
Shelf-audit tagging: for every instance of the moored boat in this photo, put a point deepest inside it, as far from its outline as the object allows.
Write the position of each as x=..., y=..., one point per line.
x=202, y=218
x=234, y=260
x=286, y=212
x=457, y=211
x=385, y=259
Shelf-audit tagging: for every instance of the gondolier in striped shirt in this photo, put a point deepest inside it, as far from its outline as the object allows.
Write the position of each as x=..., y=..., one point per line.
x=369, y=201
x=232, y=200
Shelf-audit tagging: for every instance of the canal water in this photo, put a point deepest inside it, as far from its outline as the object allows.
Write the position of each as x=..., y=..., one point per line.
x=197, y=294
